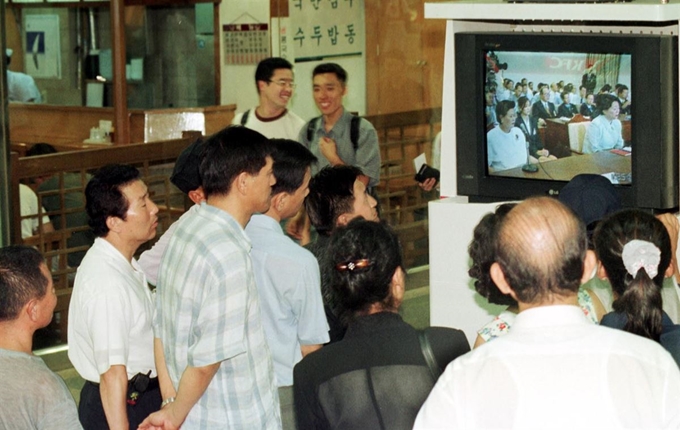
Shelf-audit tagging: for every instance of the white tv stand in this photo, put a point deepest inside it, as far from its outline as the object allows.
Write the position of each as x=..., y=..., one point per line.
x=453, y=300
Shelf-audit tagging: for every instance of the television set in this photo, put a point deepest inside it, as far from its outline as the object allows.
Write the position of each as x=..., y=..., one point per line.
x=643, y=161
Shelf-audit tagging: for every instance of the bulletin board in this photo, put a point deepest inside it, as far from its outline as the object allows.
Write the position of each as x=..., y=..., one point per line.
x=245, y=43
x=322, y=29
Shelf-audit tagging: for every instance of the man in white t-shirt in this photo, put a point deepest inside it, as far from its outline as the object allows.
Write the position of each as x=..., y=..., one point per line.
x=29, y=206
x=20, y=86
x=554, y=369
x=110, y=333
x=275, y=84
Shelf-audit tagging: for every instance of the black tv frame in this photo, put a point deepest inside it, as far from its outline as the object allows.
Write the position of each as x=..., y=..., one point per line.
x=654, y=89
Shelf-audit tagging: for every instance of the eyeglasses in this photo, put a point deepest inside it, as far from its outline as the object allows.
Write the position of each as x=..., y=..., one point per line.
x=284, y=84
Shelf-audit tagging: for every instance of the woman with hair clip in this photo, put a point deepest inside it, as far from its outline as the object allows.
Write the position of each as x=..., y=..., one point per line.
x=381, y=372
x=483, y=254
x=634, y=250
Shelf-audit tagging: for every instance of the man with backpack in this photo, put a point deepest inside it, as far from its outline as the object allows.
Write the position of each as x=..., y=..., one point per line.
x=275, y=84
x=338, y=137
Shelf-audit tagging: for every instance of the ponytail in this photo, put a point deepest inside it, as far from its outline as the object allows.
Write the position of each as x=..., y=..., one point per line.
x=641, y=303
x=634, y=247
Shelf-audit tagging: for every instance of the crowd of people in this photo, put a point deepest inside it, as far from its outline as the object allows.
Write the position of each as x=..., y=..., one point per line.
x=515, y=112
x=245, y=328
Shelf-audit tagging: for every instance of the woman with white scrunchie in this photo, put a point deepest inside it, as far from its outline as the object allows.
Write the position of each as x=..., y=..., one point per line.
x=634, y=250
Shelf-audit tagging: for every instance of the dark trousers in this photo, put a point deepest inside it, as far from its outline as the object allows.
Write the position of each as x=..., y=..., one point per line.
x=91, y=411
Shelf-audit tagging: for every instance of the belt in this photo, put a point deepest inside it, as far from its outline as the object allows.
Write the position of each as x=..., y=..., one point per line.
x=153, y=383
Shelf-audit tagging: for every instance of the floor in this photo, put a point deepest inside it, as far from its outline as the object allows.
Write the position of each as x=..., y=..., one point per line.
x=415, y=310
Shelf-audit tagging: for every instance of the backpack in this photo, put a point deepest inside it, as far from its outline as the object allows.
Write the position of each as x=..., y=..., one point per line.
x=353, y=130
x=244, y=118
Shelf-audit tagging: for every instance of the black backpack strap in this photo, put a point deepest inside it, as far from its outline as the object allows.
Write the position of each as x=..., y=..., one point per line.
x=244, y=118
x=354, y=131
x=311, y=126
x=426, y=348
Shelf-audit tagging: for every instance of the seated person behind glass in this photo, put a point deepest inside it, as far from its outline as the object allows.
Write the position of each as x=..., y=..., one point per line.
x=566, y=109
x=587, y=109
x=506, y=144
x=529, y=126
x=604, y=132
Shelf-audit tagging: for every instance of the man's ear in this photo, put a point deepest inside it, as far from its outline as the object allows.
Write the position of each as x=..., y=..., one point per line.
x=261, y=85
x=344, y=219
x=589, y=264
x=32, y=309
x=113, y=223
x=279, y=201
x=498, y=277
x=241, y=182
x=197, y=195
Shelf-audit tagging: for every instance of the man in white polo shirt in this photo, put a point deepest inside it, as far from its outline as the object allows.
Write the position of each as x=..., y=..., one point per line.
x=554, y=369
x=111, y=312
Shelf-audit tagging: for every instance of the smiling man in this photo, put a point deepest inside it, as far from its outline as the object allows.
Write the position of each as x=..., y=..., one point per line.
x=336, y=138
x=275, y=84
x=215, y=368
x=110, y=316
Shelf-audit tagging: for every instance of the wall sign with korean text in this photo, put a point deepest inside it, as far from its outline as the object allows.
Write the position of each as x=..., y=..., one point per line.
x=322, y=29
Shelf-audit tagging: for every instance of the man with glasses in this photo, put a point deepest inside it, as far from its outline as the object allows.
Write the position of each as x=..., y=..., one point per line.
x=275, y=84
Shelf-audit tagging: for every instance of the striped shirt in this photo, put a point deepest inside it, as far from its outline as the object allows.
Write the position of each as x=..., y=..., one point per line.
x=208, y=312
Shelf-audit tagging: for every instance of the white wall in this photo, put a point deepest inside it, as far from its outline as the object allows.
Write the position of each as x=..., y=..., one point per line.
x=238, y=82
x=453, y=299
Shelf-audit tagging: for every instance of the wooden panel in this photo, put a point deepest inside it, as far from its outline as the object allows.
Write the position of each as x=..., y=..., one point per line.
x=278, y=8
x=218, y=117
x=68, y=126
x=31, y=123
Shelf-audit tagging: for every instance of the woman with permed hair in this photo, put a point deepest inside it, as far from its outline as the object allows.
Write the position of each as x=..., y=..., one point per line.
x=377, y=376
x=634, y=249
x=483, y=254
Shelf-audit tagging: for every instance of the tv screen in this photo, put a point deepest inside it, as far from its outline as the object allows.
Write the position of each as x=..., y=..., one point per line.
x=554, y=115
x=535, y=110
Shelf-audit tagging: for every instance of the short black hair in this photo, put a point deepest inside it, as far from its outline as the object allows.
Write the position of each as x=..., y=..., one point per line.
x=291, y=161
x=20, y=279
x=230, y=152
x=331, y=68
x=104, y=196
x=363, y=256
x=605, y=101
x=503, y=107
x=266, y=68
x=482, y=252
x=331, y=194
x=41, y=149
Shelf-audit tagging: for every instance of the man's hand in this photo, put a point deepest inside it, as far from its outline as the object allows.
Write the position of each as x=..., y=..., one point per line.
x=329, y=150
x=427, y=184
x=164, y=419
